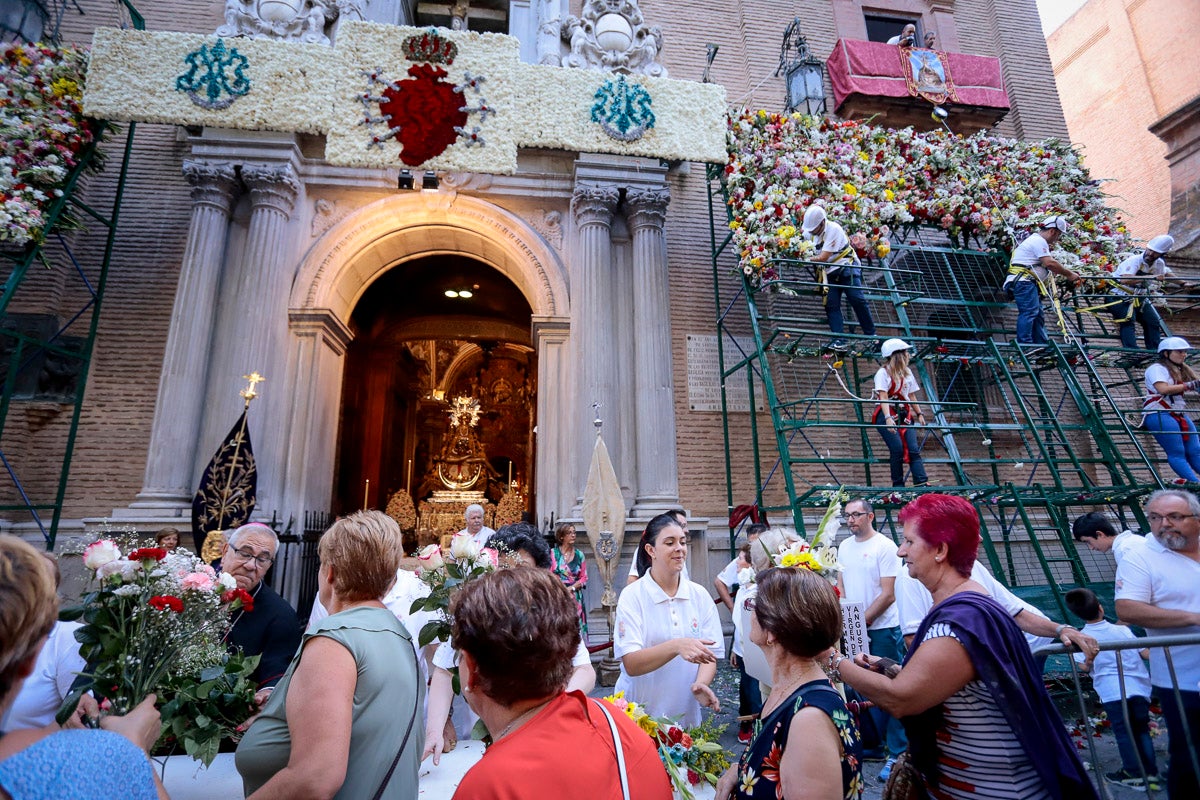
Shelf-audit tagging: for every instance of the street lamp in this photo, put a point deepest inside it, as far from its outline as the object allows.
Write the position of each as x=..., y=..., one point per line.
x=803, y=73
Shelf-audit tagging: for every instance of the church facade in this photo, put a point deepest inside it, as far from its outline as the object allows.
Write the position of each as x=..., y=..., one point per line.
x=582, y=281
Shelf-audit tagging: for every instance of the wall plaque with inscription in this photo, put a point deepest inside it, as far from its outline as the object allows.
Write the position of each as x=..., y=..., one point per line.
x=704, y=374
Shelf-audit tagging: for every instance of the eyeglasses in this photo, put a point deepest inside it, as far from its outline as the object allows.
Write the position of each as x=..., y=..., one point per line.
x=263, y=561
x=1174, y=518
x=855, y=514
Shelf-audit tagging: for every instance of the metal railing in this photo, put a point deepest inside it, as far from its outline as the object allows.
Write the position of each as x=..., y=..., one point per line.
x=1173, y=696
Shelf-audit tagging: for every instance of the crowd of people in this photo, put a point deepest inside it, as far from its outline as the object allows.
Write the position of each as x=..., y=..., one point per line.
x=957, y=704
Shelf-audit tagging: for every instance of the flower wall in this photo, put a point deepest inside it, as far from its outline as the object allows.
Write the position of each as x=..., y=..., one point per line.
x=42, y=132
x=982, y=189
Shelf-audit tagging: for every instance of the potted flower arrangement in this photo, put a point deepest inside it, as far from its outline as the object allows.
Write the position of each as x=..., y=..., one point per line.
x=154, y=623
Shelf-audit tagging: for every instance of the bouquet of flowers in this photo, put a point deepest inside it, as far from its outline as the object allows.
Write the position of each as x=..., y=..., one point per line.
x=42, y=133
x=689, y=755
x=155, y=623
x=444, y=574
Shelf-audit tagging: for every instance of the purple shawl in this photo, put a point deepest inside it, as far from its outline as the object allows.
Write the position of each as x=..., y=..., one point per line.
x=1003, y=661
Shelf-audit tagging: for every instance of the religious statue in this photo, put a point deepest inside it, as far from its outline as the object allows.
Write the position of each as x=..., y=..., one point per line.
x=309, y=21
x=462, y=461
x=613, y=36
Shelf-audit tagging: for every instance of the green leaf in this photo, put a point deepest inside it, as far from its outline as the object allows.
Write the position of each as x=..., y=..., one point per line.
x=71, y=613
x=67, y=710
x=212, y=673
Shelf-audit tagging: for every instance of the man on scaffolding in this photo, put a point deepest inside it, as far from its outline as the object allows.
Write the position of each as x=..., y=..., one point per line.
x=1134, y=279
x=843, y=275
x=1028, y=274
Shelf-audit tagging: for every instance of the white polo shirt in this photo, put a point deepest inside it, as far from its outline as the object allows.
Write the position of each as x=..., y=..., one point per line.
x=1126, y=541
x=834, y=240
x=1136, y=265
x=728, y=576
x=647, y=616
x=1029, y=253
x=913, y=601
x=864, y=565
x=1153, y=574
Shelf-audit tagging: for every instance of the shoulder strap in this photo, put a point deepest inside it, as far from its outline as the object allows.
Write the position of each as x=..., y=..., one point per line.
x=612, y=726
x=404, y=743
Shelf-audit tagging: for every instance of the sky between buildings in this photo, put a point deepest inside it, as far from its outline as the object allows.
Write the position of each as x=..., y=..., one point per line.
x=1056, y=12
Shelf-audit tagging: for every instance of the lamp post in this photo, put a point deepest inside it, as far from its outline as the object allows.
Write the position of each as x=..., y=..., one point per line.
x=803, y=73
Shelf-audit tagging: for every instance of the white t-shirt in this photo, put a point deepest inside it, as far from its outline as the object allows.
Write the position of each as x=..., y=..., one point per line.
x=728, y=576
x=1030, y=252
x=834, y=240
x=482, y=537
x=883, y=382
x=864, y=565
x=1135, y=265
x=446, y=657
x=647, y=616
x=1125, y=541
x=913, y=600
x=1153, y=574
x=1104, y=669
x=399, y=599
x=58, y=665
x=1156, y=373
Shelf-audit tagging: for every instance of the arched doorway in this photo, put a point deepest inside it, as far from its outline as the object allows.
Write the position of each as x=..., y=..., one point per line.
x=425, y=332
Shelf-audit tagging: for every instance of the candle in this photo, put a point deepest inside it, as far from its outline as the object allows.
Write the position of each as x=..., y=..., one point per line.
x=510, y=474
x=366, y=492
x=408, y=481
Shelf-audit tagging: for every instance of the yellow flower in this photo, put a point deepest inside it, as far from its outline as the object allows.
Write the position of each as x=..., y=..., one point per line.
x=882, y=249
x=889, y=195
x=648, y=725
x=758, y=205
x=850, y=189
x=64, y=87
x=805, y=560
x=733, y=226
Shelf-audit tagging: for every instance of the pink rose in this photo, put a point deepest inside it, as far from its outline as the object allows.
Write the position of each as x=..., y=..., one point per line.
x=197, y=581
x=99, y=553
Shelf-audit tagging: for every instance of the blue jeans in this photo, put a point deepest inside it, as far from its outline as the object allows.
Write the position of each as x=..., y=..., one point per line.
x=1139, y=745
x=1184, y=457
x=896, y=456
x=1031, y=322
x=1182, y=781
x=888, y=642
x=1147, y=315
x=848, y=281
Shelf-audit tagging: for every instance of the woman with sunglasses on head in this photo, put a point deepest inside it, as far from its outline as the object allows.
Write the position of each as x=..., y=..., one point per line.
x=668, y=635
x=1164, y=409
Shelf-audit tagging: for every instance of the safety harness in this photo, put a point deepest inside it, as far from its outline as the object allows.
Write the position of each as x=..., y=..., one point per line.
x=901, y=410
x=823, y=271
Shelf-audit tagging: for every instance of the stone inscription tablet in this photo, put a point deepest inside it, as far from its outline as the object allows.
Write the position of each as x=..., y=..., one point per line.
x=704, y=375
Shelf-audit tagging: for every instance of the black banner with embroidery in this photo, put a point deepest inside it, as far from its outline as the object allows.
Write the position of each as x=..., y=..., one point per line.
x=227, y=492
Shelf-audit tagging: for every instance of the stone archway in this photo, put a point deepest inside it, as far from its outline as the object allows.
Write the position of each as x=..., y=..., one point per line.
x=350, y=256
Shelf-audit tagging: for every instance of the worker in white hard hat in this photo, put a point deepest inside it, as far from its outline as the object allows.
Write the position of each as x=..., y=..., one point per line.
x=1135, y=277
x=843, y=273
x=1028, y=273
x=898, y=414
x=1164, y=409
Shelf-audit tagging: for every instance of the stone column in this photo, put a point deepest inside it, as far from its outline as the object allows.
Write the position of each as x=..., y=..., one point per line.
x=551, y=341
x=252, y=327
x=654, y=395
x=592, y=304
x=178, y=412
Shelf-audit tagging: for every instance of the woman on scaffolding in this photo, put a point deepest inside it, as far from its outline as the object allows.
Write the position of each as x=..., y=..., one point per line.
x=1163, y=409
x=897, y=414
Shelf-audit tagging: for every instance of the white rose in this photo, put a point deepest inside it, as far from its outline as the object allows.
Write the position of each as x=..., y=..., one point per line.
x=464, y=548
x=746, y=576
x=430, y=557
x=227, y=581
x=99, y=553
x=127, y=569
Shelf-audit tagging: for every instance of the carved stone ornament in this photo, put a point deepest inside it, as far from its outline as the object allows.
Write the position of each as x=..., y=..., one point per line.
x=310, y=21
x=613, y=36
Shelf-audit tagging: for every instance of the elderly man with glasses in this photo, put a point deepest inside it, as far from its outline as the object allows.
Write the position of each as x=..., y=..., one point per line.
x=1158, y=588
x=270, y=629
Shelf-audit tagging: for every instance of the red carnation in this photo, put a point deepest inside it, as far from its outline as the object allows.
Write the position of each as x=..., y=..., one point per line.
x=166, y=602
x=241, y=596
x=693, y=777
x=674, y=735
x=148, y=554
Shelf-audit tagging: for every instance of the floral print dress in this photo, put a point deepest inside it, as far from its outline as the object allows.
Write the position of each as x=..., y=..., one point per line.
x=569, y=572
x=758, y=770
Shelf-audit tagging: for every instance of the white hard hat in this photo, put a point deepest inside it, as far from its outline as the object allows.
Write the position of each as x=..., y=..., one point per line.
x=1161, y=244
x=1056, y=222
x=893, y=346
x=1173, y=343
x=813, y=218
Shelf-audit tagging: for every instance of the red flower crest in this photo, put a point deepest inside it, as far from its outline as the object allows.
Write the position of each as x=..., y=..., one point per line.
x=148, y=554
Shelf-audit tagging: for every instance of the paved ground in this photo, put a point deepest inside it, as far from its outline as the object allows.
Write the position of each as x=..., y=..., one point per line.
x=726, y=687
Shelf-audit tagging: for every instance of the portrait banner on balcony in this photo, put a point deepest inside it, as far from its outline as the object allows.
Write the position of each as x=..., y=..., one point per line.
x=927, y=75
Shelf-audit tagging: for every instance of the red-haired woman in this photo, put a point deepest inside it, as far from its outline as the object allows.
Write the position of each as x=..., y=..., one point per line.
x=978, y=718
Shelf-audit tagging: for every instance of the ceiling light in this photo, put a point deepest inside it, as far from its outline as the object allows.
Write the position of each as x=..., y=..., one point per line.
x=465, y=294
x=451, y=293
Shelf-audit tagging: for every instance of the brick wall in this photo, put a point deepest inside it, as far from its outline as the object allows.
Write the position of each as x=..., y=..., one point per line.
x=1120, y=67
